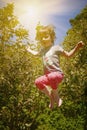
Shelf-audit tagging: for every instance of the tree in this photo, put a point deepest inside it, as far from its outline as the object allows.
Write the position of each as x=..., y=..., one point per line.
x=10, y=28
x=75, y=70
x=18, y=69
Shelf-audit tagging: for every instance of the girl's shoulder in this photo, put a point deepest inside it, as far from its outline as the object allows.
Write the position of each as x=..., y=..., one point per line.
x=41, y=51
x=57, y=48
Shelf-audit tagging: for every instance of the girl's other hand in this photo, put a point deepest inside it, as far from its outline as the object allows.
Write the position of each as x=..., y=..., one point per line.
x=80, y=44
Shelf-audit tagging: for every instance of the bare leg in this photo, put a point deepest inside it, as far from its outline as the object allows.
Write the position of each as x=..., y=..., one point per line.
x=48, y=91
x=51, y=105
x=56, y=98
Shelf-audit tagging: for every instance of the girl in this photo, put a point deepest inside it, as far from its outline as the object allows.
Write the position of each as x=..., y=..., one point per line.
x=53, y=75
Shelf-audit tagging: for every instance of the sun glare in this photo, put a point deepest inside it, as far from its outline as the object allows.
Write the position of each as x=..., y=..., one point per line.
x=32, y=11
x=30, y=18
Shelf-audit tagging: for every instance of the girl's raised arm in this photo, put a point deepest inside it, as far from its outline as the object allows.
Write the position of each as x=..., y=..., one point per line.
x=74, y=50
x=32, y=51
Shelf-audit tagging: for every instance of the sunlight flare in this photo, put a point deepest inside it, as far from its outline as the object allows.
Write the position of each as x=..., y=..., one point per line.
x=32, y=12
x=31, y=16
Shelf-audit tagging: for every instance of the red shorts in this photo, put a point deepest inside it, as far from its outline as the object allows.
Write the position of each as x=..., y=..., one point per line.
x=52, y=79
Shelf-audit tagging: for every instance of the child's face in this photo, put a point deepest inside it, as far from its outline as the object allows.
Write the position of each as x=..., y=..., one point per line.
x=46, y=39
x=46, y=42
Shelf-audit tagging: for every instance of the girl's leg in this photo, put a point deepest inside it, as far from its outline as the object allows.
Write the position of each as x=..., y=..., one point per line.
x=56, y=98
x=42, y=83
x=55, y=78
x=48, y=91
x=52, y=79
x=52, y=101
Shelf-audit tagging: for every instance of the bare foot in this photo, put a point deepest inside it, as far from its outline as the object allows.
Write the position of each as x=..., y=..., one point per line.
x=50, y=106
x=60, y=102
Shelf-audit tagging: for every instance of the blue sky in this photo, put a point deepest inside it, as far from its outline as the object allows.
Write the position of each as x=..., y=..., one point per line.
x=56, y=12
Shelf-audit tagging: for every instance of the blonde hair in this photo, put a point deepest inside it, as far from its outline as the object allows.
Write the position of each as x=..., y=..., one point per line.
x=49, y=29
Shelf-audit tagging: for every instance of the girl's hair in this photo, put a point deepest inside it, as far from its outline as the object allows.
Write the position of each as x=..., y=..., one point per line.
x=49, y=29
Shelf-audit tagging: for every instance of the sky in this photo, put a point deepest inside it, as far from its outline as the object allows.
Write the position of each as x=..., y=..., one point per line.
x=55, y=12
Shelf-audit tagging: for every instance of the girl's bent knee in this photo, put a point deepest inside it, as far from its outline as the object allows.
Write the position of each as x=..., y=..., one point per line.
x=36, y=82
x=39, y=84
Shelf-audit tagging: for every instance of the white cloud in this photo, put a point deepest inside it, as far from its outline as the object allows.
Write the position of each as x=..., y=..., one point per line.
x=47, y=6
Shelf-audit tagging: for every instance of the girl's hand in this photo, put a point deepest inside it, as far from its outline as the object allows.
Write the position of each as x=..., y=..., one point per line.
x=27, y=47
x=80, y=44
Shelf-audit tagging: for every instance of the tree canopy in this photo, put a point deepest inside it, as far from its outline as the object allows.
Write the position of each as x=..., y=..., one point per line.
x=22, y=106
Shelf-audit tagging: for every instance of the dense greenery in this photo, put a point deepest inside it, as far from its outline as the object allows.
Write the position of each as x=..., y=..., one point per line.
x=22, y=106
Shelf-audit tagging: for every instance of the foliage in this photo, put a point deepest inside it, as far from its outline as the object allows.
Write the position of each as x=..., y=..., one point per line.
x=18, y=69
x=22, y=106
x=76, y=67
x=10, y=29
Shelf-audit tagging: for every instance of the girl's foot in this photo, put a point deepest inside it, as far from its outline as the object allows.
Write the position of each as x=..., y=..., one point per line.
x=60, y=102
x=50, y=106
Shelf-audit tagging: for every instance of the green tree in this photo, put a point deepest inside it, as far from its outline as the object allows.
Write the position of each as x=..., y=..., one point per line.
x=10, y=28
x=18, y=69
x=74, y=88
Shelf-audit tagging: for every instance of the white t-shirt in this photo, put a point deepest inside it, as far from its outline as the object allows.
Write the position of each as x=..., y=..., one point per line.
x=51, y=59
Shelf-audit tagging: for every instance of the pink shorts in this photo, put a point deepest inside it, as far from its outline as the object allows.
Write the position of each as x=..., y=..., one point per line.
x=52, y=79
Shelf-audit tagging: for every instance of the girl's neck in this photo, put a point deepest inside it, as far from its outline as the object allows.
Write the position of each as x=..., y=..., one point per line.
x=47, y=48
